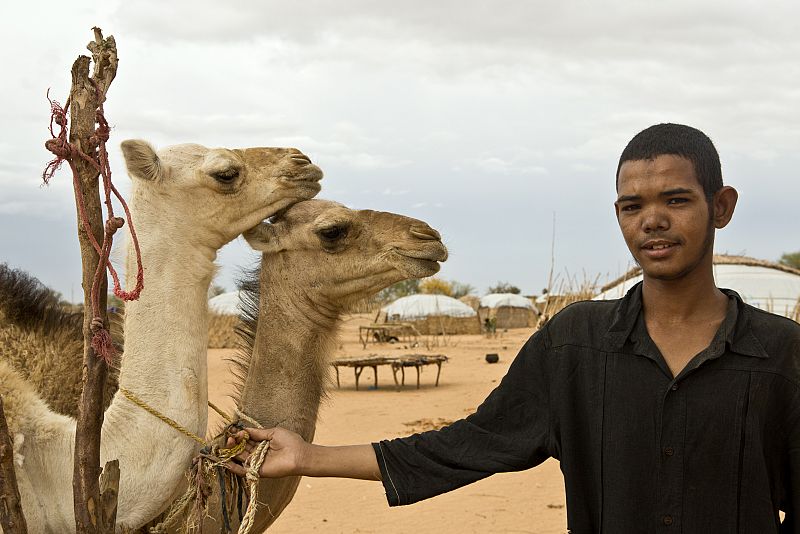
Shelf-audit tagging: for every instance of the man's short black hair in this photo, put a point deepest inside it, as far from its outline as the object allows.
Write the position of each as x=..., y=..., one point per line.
x=678, y=140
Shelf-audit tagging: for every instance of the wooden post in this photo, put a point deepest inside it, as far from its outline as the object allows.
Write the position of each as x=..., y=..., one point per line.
x=85, y=96
x=12, y=521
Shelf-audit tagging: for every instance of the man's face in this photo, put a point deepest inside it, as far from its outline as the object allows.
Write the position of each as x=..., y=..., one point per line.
x=664, y=216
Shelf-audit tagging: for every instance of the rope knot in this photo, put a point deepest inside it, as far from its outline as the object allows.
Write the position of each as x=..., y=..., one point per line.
x=113, y=224
x=103, y=130
x=96, y=325
x=60, y=148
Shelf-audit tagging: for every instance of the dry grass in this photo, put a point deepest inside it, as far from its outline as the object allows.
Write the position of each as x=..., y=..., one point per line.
x=222, y=331
x=566, y=291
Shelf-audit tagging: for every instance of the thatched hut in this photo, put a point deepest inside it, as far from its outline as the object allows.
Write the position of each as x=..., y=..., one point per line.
x=770, y=286
x=223, y=318
x=508, y=310
x=472, y=301
x=434, y=314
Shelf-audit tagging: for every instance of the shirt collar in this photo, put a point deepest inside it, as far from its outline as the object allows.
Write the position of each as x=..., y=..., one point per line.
x=738, y=336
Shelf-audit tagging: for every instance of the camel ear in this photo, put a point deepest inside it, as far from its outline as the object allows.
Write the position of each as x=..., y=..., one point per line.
x=263, y=238
x=141, y=159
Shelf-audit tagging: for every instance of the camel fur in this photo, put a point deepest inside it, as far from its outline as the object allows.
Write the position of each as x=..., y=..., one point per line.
x=41, y=340
x=318, y=258
x=187, y=201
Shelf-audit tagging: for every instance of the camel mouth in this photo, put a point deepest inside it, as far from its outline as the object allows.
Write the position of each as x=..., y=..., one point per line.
x=432, y=254
x=307, y=174
x=303, y=189
x=420, y=264
x=432, y=266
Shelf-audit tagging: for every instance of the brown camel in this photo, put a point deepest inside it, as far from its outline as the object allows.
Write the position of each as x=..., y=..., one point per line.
x=319, y=257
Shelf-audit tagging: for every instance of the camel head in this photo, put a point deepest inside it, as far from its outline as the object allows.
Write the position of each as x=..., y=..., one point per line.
x=220, y=192
x=343, y=255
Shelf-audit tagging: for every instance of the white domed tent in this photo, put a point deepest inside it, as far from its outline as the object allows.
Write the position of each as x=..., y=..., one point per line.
x=770, y=286
x=508, y=310
x=434, y=314
x=414, y=307
x=225, y=303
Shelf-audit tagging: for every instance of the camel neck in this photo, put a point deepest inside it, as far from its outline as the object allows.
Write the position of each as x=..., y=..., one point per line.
x=289, y=362
x=164, y=364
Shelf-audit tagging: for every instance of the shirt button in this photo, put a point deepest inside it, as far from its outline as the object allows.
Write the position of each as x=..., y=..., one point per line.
x=674, y=387
x=669, y=451
x=667, y=519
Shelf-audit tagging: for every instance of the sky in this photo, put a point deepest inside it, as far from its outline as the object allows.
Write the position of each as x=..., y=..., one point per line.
x=498, y=123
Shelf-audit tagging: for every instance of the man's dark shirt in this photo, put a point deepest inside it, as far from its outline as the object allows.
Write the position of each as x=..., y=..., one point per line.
x=714, y=450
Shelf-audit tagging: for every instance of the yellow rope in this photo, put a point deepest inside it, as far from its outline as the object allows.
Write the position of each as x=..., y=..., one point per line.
x=218, y=457
x=152, y=411
x=219, y=411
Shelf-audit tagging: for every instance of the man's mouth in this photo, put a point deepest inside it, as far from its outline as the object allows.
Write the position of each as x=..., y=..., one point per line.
x=658, y=249
x=658, y=245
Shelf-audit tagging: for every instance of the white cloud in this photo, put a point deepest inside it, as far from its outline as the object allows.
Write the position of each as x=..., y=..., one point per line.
x=396, y=98
x=394, y=192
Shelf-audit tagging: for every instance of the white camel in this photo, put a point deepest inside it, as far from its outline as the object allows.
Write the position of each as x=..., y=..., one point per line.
x=187, y=202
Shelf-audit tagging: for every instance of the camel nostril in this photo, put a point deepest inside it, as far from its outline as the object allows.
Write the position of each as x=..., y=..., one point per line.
x=300, y=159
x=425, y=233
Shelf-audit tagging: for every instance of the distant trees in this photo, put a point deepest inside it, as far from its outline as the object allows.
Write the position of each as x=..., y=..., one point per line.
x=504, y=287
x=791, y=259
x=400, y=289
x=461, y=289
x=430, y=286
x=436, y=286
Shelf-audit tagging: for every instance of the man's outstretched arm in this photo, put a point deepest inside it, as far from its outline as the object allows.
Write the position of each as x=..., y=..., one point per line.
x=290, y=455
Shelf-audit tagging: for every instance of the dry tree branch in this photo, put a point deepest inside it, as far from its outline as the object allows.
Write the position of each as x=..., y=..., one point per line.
x=86, y=95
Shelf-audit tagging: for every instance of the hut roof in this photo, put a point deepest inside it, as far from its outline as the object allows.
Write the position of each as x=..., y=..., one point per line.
x=499, y=300
x=415, y=307
x=225, y=303
x=763, y=284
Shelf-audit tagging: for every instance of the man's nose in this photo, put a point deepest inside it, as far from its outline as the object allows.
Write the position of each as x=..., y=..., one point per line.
x=655, y=220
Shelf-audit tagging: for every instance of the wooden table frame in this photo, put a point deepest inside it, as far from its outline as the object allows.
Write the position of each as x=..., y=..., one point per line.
x=397, y=363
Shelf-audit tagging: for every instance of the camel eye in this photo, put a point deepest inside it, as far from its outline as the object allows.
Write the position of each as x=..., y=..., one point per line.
x=333, y=233
x=227, y=176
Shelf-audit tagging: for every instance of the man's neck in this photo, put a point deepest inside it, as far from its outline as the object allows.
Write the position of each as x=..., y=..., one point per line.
x=690, y=298
x=683, y=315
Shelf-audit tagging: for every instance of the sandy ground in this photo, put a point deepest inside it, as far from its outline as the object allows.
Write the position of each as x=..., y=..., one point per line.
x=531, y=501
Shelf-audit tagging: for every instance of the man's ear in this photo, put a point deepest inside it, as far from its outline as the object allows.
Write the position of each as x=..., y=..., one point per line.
x=723, y=204
x=263, y=237
x=141, y=160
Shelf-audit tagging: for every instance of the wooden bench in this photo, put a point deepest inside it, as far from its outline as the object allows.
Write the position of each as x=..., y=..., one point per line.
x=397, y=363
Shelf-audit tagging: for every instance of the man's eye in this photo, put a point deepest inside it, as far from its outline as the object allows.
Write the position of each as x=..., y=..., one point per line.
x=630, y=207
x=677, y=200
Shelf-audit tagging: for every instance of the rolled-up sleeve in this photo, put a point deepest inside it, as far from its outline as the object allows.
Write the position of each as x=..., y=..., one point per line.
x=510, y=431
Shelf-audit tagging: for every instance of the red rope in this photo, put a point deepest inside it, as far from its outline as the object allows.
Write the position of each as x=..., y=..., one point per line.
x=64, y=151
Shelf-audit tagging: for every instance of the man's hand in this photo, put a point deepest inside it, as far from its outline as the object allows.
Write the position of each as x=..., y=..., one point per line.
x=285, y=455
x=290, y=455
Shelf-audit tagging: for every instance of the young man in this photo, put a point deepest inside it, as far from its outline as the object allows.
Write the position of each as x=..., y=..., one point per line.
x=674, y=409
